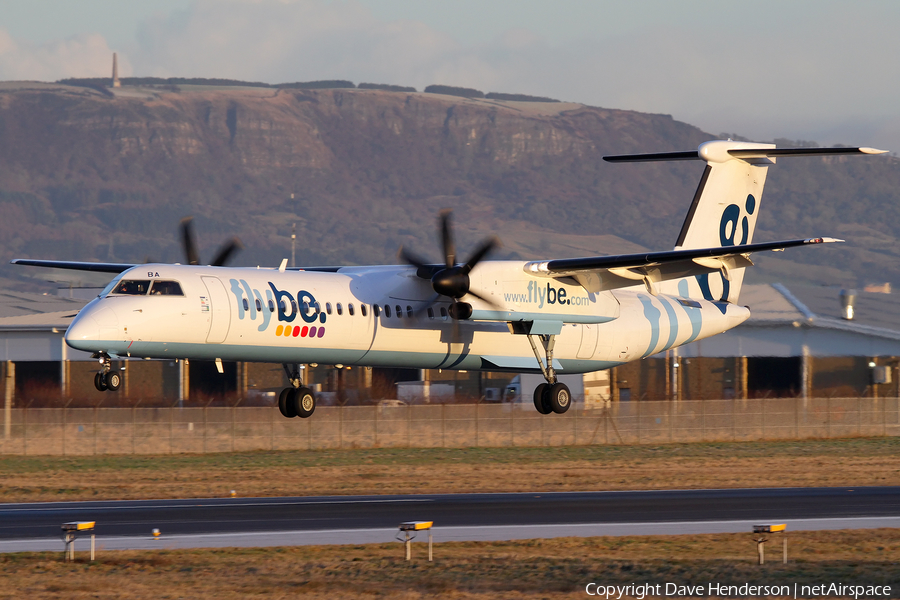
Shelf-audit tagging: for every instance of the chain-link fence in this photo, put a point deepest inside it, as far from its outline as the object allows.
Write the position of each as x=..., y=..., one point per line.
x=89, y=431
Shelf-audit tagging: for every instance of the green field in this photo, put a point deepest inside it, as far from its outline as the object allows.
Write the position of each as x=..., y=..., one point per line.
x=843, y=462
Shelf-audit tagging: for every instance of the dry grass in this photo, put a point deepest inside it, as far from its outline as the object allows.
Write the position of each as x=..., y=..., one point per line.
x=557, y=568
x=850, y=462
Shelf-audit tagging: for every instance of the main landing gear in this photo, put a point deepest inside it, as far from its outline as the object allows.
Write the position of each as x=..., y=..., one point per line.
x=106, y=379
x=298, y=400
x=552, y=396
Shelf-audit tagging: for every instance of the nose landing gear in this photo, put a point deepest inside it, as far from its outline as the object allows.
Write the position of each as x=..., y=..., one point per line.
x=106, y=379
x=296, y=401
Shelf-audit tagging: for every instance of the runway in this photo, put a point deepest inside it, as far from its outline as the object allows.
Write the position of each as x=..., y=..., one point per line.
x=369, y=519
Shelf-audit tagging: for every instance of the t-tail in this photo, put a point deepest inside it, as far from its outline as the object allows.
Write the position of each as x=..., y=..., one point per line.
x=725, y=207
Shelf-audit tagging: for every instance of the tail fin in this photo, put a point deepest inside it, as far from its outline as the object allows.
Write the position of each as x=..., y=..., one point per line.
x=726, y=204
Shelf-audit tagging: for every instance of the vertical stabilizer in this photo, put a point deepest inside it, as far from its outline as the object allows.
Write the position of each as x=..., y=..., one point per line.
x=724, y=210
x=725, y=207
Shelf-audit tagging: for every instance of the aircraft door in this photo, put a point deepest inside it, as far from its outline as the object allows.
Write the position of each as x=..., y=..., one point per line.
x=588, y=340
x=220, y=310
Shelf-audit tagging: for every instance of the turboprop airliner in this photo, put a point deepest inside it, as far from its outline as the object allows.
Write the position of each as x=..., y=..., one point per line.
x=547, y=316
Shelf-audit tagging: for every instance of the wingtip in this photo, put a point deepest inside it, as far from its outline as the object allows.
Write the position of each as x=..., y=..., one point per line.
x=873, y=151
x=825, y=240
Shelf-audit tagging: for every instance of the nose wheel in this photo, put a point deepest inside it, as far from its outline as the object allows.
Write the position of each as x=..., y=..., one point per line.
x=107, y=379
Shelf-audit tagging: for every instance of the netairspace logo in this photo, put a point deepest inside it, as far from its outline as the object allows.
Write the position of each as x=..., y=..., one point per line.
x=747, y=590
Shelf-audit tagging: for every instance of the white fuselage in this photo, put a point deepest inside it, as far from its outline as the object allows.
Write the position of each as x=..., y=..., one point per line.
x=265, y=315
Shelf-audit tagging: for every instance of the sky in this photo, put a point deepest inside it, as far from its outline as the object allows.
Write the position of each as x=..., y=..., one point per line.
x=818, y=70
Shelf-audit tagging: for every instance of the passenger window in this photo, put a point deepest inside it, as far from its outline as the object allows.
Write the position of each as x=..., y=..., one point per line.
x=246, y=304
x=258, y=305
x=376, y=310
x=387, y=310
x=399, y=312
x=443, y=313
x=282, y=306
x=271, y=306
x=166, y=288
x=350, y=310
x=409, y=312
x=328, y=307
x=430, y=313
x=132, y=287
x=294, y=307
x=317, y=307
x=339, y=308
x=362, y=309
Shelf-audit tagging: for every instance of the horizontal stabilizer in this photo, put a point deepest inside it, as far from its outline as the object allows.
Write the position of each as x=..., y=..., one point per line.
x=742, y=153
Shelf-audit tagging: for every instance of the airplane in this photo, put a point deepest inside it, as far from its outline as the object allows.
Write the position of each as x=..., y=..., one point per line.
x=572, y=315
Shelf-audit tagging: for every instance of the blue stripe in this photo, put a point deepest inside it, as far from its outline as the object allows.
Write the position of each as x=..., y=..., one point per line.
x=694, y=314
x=673, y=322
x=652, y=314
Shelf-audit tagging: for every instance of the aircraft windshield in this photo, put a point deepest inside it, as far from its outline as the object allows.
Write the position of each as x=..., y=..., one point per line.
x=109, y=286
x=166, y=288
x=132, y=287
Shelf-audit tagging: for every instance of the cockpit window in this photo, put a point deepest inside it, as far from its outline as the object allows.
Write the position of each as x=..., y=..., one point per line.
x=132, y=287
x=109, y=286
x=166, y=288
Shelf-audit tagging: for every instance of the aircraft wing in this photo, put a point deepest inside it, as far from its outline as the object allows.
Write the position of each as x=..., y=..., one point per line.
x=599, y=273
x=73, y=265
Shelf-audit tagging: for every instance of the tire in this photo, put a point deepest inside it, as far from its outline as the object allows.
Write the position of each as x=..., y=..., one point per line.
x=540, y=399
x=99, y=382
x=286, y=408
x=113, y=381
x=559, y=397
x=303, y=401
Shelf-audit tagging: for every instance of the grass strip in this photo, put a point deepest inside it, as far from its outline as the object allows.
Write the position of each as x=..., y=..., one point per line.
x=833, y=462
x=550, y=568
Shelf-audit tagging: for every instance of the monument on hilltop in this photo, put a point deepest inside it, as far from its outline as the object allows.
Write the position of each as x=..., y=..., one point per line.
x=115, y=75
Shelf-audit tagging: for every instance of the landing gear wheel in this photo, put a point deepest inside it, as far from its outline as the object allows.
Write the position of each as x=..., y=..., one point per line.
x=287, y=408
x=540, y=399
x=559, y=398
x=113, y=381
x=100, y=382
x=303, y=401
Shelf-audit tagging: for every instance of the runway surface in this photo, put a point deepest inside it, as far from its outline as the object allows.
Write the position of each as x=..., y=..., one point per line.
x=366, y=519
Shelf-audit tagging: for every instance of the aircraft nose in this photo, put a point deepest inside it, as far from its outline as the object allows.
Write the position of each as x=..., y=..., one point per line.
x=89, y=327
x=83, y=330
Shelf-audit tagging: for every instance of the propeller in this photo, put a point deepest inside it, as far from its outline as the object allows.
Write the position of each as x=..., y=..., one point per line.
x=453, y=279
x=192, y=256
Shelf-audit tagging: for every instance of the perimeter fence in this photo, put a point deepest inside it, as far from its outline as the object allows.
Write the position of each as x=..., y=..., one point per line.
x=96, y=431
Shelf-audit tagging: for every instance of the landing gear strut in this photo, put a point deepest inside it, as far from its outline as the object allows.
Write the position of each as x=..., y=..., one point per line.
x=552, y=396
x=106, y=378
x=298, y=400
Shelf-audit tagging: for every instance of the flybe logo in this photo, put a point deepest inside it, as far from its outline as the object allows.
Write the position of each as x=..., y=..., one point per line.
x=731, y=217
x=288, y=308
x=547, y=295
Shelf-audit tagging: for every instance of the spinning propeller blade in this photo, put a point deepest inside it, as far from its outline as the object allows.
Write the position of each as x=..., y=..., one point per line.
x=452, y=280
x=189, y=243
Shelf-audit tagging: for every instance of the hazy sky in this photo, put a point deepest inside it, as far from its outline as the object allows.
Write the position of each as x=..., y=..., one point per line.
x=819, y=70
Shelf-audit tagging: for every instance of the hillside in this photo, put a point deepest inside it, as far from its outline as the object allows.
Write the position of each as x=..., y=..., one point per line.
x=88, y=176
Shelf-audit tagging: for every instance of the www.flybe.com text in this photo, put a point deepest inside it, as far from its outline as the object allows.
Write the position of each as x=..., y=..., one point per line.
x=536, y=294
